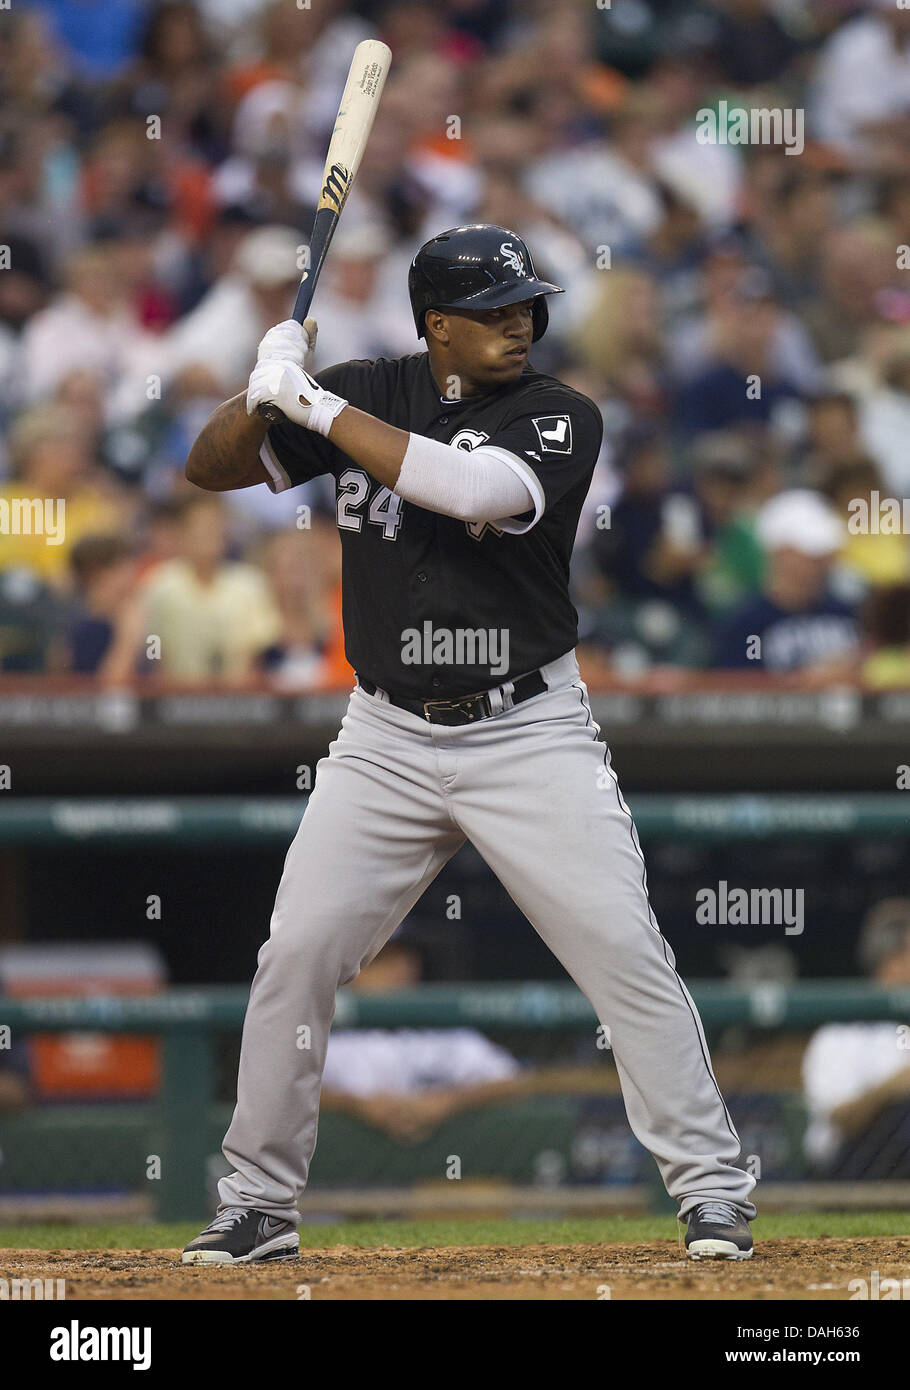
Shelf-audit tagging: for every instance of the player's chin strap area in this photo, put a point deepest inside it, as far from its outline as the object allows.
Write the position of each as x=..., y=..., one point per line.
x=467, y=709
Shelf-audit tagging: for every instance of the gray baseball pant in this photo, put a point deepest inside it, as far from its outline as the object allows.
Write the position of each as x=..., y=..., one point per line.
x=533, y=790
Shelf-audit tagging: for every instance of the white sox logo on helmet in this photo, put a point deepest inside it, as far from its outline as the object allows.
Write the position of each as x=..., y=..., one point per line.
x=513, y=258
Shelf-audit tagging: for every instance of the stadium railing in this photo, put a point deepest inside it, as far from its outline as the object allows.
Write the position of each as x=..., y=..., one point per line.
x=189, y=1019
x=195, y=820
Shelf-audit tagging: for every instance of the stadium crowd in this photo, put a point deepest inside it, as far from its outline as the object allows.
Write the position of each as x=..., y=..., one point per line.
x=740, y=312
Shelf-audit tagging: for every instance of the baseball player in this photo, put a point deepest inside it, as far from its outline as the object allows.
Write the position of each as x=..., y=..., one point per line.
x=460, y=474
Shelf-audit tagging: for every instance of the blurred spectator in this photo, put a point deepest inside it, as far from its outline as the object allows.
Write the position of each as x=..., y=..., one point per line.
x=264, y=174
x=744, y=379
x=732, y=564
x=297, y=659
x=886, y=627
x=32, y=624
x=23, y=285
x=135, y=177
x=100, y=36
x=175, y=78
x=54, y=471
x=107, y=628
x=89, y=327
x=614, y=202
x=867, y=557
x=856, y=1076
x=751, y=43
x=14, y=1084
x=648, y=556
x=357, y=315
x=621, y=339
x=162, y=535
x=858, y=266
x=885, y=422
x=214, y=616
x=861, y=98
x=708, y=177
x=408, y=1081
x=81, y=392
x=160, y=158
x=732, y=284
x=796, y=623
x=214, y=346
x=650, y=547
x=832, y=436
x=791, y=225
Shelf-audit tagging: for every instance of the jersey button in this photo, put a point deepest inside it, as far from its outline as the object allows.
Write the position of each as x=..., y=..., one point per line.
x=422, y=577
x=443, y=419
x=435, y=682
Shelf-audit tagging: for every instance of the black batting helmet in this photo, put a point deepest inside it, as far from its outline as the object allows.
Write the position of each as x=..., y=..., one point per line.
x=476, y=267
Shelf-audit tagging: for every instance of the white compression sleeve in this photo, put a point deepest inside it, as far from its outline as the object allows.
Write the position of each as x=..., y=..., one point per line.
x=485, y=484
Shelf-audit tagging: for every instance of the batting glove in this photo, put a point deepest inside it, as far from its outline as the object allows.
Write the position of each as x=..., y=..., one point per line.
x=291, y=341
x=298, y=395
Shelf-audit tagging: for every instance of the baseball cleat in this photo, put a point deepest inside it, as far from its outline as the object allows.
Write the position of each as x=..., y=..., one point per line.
x=241, y=1235
x=718, y=1231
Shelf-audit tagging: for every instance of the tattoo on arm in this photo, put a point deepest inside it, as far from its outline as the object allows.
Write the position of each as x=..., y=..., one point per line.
x=226, y=452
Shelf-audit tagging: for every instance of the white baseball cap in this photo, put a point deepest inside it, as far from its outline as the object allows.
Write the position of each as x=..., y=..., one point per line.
x=361, y=241
x=800, y=519
x=268, y=256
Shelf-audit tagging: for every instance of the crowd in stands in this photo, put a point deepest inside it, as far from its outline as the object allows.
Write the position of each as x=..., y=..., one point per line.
x=740, y=313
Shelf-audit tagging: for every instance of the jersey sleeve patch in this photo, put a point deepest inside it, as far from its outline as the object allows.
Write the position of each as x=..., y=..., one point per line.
x=554, y=433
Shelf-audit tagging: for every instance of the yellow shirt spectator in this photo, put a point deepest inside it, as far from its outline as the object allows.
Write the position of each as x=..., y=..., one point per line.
x=888, y=669
x=212, y=628
x=877, y=559
x=54, y=525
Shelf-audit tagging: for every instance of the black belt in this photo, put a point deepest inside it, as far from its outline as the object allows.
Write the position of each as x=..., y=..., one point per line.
x=466, y=709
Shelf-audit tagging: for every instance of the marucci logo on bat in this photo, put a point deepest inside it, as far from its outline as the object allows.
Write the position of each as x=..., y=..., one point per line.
x=336, y=185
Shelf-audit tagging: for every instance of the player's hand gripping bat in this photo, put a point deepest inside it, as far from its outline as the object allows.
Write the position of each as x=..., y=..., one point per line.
x=366, y=79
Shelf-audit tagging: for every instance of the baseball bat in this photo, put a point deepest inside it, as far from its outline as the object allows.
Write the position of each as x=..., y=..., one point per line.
x=359, y=103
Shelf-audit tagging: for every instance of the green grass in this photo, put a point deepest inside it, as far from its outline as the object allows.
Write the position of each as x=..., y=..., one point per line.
x=402, y=1234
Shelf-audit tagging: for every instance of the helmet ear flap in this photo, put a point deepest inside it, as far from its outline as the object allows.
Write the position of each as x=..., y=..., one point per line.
x=540, y=316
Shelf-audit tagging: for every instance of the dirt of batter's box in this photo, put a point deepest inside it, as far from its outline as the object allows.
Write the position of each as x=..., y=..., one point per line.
x=791, y=1269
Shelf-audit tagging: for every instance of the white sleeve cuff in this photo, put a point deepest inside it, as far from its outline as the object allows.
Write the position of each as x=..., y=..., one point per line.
x=510, y=524
x=278, y=479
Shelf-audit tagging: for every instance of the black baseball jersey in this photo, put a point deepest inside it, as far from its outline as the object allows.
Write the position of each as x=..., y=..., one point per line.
x=435, y=607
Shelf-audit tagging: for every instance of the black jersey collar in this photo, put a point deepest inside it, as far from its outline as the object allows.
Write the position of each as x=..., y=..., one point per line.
x=428, y=386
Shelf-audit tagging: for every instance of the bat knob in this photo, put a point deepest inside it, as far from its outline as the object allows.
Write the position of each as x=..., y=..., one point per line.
x=269, y=412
